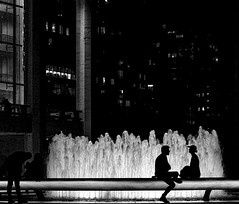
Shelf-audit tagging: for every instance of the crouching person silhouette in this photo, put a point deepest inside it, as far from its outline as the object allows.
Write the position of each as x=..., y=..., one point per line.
x=13, y=166
x=162, y=172
x=193, y=170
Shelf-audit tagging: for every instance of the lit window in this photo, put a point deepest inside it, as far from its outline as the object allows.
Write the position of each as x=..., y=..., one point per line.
x=103, y=80
x=174, y=55
x=120, y=73
x=120, y=102
x=67, y=31
x=150, y=62
x=120, y=62
x=179, y=36
x=121, y=93
x=49, y=41
x=60, y=29
x=53, y=27
x=68, y=76
x=47, y=26
x=171, y=31
x=127, y=103
x=112, y=81
x=102, y=30
x=151, y=87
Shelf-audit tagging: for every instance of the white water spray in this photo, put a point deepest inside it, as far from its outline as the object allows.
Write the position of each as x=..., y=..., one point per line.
x=129, y=157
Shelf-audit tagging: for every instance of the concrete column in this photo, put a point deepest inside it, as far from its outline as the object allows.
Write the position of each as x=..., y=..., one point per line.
x=235, y=138
x=236, y=70
x=83, y=63
x=34, y=73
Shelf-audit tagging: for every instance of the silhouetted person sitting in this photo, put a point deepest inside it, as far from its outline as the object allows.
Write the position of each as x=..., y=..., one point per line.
x=192, y=171
x=35, y=171
x=13, y=166
x=162, y=172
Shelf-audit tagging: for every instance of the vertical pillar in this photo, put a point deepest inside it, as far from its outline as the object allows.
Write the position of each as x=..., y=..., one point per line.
x=83, y=63
x=34, y=73
x=235, y=138
x=236, y=70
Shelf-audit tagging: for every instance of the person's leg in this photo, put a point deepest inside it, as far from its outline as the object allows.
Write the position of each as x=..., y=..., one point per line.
x=18, y=190
x=9, y=190
x=171, y=186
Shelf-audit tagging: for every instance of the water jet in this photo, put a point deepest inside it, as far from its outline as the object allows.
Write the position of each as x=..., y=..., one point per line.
x=129, y=157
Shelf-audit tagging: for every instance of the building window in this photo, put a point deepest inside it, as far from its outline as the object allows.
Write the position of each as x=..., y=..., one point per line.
x=150, y=87
x=47, y=26
x=60, y=29
x=11, y=52
x=120, y=73
x=121, y=93
x=120, y=102
x=127, y=103
x=67, y=31
x=112, y=81
x=53, y=27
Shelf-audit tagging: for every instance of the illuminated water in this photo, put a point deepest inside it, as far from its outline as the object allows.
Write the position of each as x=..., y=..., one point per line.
x=129, y=157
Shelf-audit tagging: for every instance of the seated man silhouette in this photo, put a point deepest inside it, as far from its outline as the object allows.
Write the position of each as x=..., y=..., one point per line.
x=162, y=172
x=193, y=170
x=13, y=166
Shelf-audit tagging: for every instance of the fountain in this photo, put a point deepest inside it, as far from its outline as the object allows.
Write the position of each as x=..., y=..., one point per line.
x=129, y=157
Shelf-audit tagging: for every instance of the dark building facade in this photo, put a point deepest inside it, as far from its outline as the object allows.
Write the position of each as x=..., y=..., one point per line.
x=167, y=76
x=59, y=60
x=90, y=67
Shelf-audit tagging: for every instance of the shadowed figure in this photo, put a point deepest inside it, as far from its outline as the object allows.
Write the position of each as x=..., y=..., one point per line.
x=162, y=172
x=193, y=170
x=13, y=166
x=35, y=171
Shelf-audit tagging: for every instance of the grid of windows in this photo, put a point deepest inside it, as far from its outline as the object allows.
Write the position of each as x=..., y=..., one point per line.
x=11, y=51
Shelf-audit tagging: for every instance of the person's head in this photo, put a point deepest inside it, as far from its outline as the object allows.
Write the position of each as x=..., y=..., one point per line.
x=192, y=149
x=165, y=149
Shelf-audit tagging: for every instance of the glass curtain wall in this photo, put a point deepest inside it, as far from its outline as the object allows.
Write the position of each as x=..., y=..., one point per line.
x=11, y=51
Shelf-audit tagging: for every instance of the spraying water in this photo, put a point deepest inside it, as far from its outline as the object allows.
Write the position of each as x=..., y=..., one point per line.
x=129, y=157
